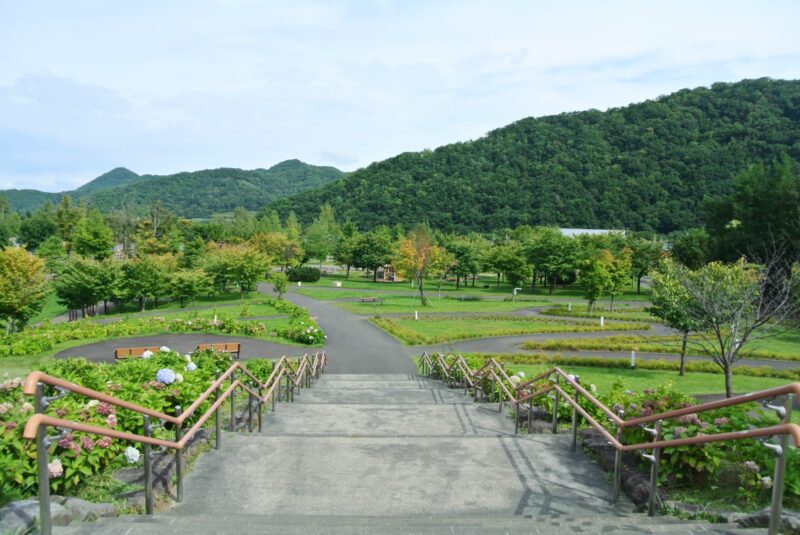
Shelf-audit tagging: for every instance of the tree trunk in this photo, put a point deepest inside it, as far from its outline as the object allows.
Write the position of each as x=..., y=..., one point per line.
x=375, y=275
x=423, y=301
x=105, y=306
x=553, y=285
x=498, y=280
x=728, y=369
x=347, y=273
x=473, y=280
x=533, y=281
x=183, y=299
x=638, y=284
x=142, y=302
x=611, y=307
x=458, y=281
x=684, y=337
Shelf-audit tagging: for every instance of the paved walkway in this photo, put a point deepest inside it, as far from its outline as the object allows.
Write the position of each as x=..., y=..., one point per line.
x=354, y=345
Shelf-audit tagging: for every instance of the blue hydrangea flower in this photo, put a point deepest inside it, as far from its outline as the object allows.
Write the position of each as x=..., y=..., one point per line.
x=191, y=367
x=166, y=376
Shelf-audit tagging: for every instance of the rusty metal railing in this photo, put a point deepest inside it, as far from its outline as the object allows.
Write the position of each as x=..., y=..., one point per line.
x=455, y=369
x=281, y=383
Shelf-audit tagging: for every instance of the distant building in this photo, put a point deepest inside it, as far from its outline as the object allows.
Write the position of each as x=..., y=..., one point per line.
x=572, y=232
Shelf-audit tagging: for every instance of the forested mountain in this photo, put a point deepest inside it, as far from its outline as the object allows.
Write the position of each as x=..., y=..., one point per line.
x=645, y=166
x=189, y=194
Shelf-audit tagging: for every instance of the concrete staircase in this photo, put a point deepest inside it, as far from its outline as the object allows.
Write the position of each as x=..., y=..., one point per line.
x=393, y=454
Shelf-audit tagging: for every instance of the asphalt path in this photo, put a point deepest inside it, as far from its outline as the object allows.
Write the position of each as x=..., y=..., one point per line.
x=354, y=345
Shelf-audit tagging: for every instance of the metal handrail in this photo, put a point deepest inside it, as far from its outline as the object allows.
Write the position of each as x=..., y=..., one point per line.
x=524, y=393
x=36, y=426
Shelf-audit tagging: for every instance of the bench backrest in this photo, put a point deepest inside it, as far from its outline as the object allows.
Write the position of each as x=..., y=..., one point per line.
x=226, y=347
x=125, y=352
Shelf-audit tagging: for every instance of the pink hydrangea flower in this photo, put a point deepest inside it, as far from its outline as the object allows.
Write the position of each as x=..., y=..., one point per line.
x=55, y=468
x=104, y=442
x=105, y=409
x=111, y=421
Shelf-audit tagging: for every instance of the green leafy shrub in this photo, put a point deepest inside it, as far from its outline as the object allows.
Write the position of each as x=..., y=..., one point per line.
x=303, y=274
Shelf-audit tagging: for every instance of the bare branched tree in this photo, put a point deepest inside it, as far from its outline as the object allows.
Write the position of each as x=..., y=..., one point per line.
x=736, y=304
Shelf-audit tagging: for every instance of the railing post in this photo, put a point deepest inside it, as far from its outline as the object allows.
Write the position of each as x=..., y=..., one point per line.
x=530, y=414
x=780, y=469
x=249, y=412
x=617, y=465
x=554, y=424
x=651, y=504
x=218, y=417
x=42, y=444
x=178, y=458
x=516, y=417
x=260, y=405
x=233, y=401
x=148, y=468
x=575, y=398
x=491, y=397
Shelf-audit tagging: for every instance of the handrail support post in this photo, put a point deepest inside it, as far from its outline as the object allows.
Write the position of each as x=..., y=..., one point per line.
x=617, y=469
x=260, y=406
x=178, y=458
x=780, y=470
x=42, y=444
x=575, y=417
x=554, y=424
x=148, y=468
x=656, y=459
x=217, y=417
x=249, y=412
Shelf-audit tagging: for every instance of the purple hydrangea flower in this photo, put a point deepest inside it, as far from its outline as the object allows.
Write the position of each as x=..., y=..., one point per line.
x=165, y=376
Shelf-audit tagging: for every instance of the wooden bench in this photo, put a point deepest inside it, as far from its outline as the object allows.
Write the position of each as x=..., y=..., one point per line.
x=370, y=300
x=232, y=348
x=133, y=352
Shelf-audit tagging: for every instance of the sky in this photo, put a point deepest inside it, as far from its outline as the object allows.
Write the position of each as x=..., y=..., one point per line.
x=162, y=87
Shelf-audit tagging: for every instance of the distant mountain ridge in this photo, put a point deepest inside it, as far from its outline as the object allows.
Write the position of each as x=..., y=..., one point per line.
x=645, y=166
x=195, y=194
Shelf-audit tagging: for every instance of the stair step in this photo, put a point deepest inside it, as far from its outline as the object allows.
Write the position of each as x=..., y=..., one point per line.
x=386, y=420
x=405, y=396
x=493, y=524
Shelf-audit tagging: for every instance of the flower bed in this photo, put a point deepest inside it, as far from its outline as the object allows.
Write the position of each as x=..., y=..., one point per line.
x=301, y=328
x=159, y=382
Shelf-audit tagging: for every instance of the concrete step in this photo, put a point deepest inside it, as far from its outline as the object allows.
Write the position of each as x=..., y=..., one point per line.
x=382, y=420
x=367, y=377
x=228, y=524
x=384, y=396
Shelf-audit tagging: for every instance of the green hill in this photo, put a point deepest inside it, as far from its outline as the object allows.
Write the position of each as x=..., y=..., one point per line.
x=190, y=194
x=645, y=166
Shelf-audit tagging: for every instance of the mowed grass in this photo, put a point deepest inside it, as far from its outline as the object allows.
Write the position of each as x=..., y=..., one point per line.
x=783, y=346
x=691, y=383
x=50, y=310
x=433, y=330
x=397, y=304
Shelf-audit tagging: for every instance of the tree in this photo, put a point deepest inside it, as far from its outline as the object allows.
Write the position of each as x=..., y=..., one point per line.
x=247, y=267
x=67, y=217
x=9, y=222
x=322, y=235
x=466, y=252
x=645, y=255
x=189, y=283
x=145, y=277
x=418, y=257
x=374, y=249
x=280, y=284
x=192, y=254
x=279, y=247
x=507, y=259
x=691, y=247
x=53, y=252
x=619, y=271
x=22, y=286
x=292, y=227
x=83, y=282
x=672, y=303
x=38, y=227
x=734, y=304
x=345, y=251
x=595, y=276
x=92, y=238
x=551, y=254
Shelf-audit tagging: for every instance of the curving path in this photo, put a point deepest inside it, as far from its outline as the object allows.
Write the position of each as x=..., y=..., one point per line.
x=354, y=345
x=185, y=343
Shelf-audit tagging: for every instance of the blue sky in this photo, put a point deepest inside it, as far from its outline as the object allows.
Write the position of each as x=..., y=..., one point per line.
x=161, y=87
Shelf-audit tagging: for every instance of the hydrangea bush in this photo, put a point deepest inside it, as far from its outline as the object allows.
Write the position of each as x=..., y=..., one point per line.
x=155, y=383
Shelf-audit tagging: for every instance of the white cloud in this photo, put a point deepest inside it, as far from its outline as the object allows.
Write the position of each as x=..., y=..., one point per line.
x=163, y=87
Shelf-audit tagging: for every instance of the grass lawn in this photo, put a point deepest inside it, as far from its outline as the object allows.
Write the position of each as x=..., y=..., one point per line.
x=50, y=310
x=400, y=304
x=432, y=329
x=785, y=346
x=691, y=383
x=200, y=300
x=622, y=312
